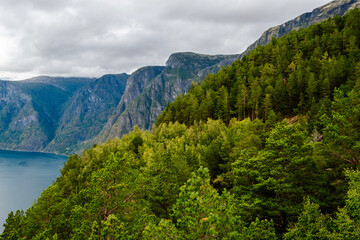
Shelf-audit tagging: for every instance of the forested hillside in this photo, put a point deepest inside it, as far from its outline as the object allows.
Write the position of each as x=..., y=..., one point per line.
x=267, y=148
x=296, y=74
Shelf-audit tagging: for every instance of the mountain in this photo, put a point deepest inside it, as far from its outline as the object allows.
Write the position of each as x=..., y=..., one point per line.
x=30, y=110
x=135, y=86
x=87, y=112
x=68, y=84
x=337, y=7
x=149, y=100
x=295, y=74
x=67, y=115
x=19, y=121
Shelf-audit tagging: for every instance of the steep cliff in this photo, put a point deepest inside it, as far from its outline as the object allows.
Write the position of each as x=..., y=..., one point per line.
x=87, y=112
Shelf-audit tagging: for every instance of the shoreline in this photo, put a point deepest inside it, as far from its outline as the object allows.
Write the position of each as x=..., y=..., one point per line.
x=34, y=152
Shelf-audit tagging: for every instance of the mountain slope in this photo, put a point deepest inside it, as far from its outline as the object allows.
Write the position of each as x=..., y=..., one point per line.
x=144, y=110
x=337, y=7
x=181, y=70
x=20, y=123
x=135, y=86
x=296, y=74
x=30, y=110
x=70, y=115
x=87, y=112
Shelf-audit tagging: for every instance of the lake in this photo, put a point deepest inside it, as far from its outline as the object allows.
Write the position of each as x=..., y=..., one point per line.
x=23, y=176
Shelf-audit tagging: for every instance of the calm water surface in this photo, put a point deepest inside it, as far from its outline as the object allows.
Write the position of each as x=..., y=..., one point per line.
x=23, y=176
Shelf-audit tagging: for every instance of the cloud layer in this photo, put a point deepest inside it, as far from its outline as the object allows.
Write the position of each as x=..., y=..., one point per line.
x=94, y=37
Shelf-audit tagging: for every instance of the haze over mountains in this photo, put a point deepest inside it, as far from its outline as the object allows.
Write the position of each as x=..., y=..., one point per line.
x=66, y=115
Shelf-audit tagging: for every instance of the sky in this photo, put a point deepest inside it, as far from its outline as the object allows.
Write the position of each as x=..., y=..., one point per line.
x=90, y=38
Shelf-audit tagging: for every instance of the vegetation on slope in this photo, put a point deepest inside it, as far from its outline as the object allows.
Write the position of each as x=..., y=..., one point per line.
x=293, y=75
x=221, y=163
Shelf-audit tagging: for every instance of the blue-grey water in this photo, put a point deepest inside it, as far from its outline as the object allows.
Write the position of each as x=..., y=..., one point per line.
x=23, y=176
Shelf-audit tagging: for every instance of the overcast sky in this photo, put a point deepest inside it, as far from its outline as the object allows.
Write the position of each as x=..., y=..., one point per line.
x=94, y=37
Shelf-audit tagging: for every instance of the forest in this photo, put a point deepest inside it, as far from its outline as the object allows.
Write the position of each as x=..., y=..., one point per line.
x=267, y=148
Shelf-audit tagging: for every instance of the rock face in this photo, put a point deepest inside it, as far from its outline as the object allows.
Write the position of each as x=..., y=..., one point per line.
x=337, y=7
x=87, y=112
x=134, y=87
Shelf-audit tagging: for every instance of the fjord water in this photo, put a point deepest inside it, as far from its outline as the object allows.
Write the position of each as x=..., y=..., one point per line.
x=23, y=176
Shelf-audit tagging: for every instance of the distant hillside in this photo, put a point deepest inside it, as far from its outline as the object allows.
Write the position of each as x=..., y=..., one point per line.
x=87, y=112
x=144, y=110
x=67, y=115
x=294, y=75
x=30, y=110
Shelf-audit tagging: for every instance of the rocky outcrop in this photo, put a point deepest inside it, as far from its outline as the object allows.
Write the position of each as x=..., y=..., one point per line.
x=134, y=87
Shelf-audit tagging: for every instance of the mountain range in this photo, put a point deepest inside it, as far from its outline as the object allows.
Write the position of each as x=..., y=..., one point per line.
x=67, y=115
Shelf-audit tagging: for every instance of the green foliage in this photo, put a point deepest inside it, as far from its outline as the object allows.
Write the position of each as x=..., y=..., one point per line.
x=342, y=127
x=314, y=225
x=13, y=226
x=200, y=212
x=352, y=203
x=258, y=230
x=165, y=229
x=271, y=184
x=311, y=224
